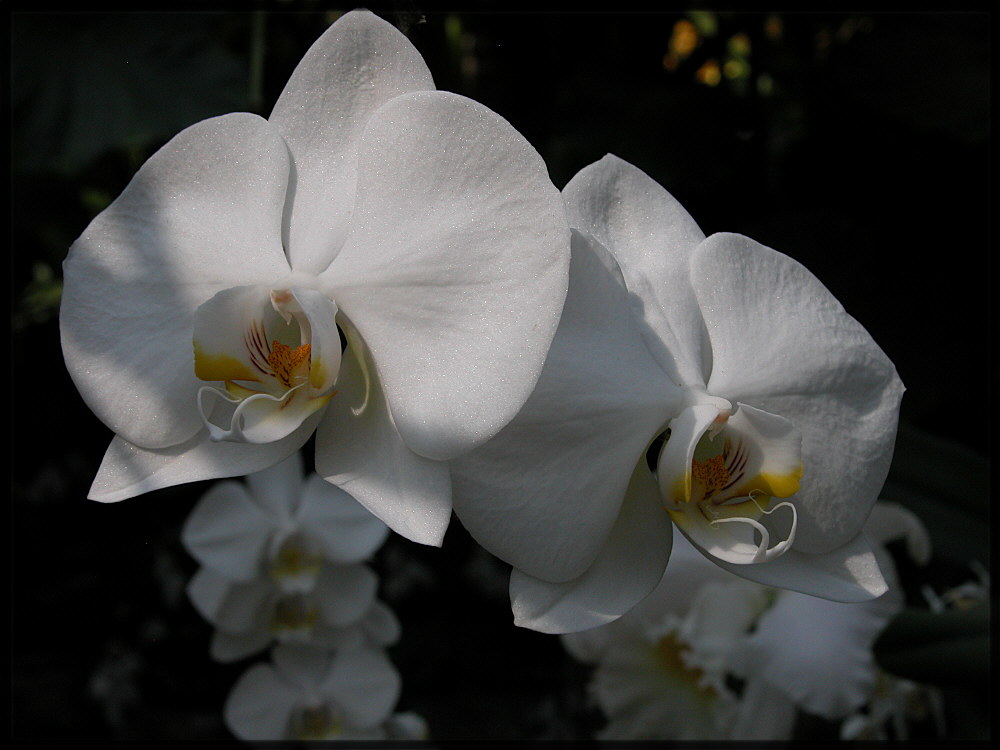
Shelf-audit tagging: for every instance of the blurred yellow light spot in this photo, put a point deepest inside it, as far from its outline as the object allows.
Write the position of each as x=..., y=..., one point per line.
x=736, y=69
x=710, y=74
x=683, y=39
x=739, y=45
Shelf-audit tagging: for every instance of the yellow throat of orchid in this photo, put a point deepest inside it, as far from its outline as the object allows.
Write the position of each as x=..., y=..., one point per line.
x=723, y=466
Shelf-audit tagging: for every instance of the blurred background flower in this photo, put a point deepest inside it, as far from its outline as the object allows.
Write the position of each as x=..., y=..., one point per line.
x=855, y=142
x=709, y=655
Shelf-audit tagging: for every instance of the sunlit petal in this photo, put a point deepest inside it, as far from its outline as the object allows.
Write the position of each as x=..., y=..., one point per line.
x=455, y=270
x=357, y=65
x=782, y=343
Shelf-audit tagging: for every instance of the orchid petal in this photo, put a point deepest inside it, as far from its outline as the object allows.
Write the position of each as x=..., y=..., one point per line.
x=651, y=700
x=344, y=593
x=202, y=214
x=817, y=652
x=358, y=64
x=260, y=704
x=303, y=666
x=381, y=625
x=849, y=573
x=627, y=569
x=227, y=532
x=229, y=647
x=230, y=606
x=651, y=235
x=794, y=351
x=674, y=462
x=128, y=470
x=364, y=685
x=600, y=400
x=359, y=450
x=455, y=270
x=333, y=637
x=348, y=532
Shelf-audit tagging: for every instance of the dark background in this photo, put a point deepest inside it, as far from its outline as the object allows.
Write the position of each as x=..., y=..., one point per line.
x=857, y=143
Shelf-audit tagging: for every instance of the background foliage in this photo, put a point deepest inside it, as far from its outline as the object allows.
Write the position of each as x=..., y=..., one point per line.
x=855, y=142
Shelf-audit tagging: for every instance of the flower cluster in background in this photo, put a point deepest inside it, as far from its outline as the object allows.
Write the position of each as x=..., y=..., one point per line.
x=282, y=559
x=712, y=656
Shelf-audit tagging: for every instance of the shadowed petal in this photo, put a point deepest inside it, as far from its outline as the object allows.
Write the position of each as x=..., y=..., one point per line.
x=652, y=237
x=260, y=704
x=628, y=567
x=228, y=532
x=128, y=470
x=847, y=574
x=543, y=494
x=359, y=450
x=348, y=531
x=364, y=685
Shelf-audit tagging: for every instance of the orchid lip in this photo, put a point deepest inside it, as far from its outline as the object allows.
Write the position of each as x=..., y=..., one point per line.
x=720, y=472
x=274, y=352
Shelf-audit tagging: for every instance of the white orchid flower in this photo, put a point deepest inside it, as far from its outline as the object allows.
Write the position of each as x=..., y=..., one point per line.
x=776, y=409
x=202, y=311
x=663, y=670
x=281, y=525
x=311, y=694
x=339, y=610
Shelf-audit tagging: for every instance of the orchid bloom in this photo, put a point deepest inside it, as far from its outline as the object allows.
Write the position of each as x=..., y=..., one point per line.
x=663, y=671
x=203, y=310
x=280, y=525
x=338, y=610
x=770, y=414
x=311, y=694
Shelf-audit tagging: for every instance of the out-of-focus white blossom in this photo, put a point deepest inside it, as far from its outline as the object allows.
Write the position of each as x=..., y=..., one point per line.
x=709, y=655
x=313, y=694
x=279, y=525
